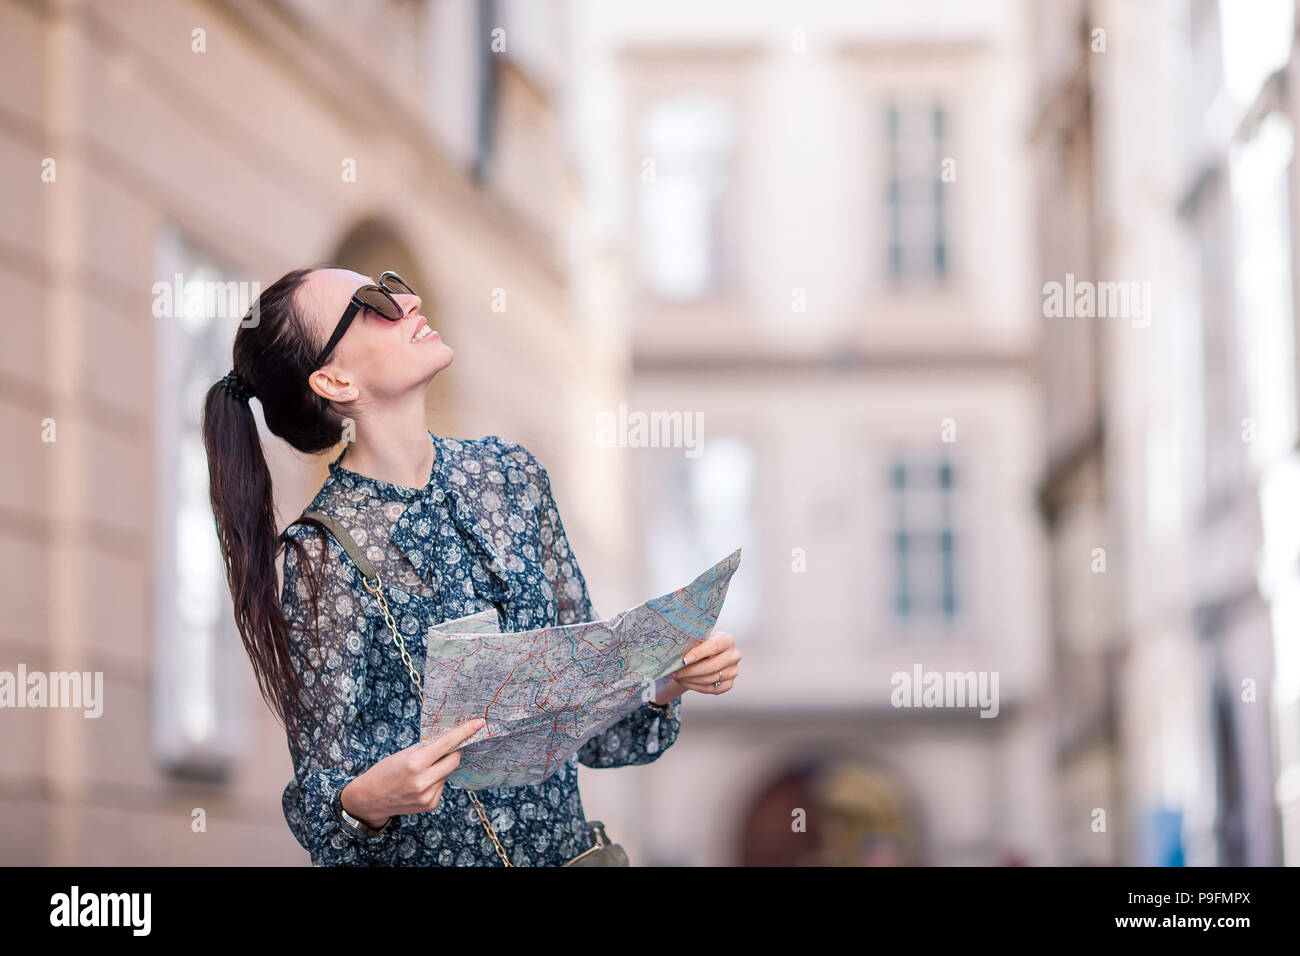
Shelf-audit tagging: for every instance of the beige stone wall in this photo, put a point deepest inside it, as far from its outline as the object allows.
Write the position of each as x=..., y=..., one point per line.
x=240, y=148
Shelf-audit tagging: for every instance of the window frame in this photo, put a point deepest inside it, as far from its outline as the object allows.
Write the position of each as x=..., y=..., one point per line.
x=907, y=184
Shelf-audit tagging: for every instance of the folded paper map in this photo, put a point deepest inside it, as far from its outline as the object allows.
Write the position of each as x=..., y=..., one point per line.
x=546, y=692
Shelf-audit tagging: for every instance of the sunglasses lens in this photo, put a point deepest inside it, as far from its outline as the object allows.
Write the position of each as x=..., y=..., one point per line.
x=380, y=303
x=395, y=284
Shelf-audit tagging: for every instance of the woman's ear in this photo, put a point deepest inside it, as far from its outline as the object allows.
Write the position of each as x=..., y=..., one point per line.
x=328, y=384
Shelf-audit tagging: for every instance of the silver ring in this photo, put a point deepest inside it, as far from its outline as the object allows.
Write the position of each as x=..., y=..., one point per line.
x=718, y=682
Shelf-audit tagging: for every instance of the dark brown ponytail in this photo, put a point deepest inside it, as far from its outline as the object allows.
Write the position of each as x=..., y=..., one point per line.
x=271, y=362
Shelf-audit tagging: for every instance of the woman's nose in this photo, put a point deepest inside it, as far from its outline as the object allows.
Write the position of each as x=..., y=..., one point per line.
x=415, y=298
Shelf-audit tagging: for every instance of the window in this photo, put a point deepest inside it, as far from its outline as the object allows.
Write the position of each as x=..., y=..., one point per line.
x=197, y=677
x=923, y=542
x=917, y=247
x=703, y=512
x=686, y=154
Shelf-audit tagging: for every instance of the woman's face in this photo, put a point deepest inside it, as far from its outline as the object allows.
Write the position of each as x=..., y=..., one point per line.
x=376, y=360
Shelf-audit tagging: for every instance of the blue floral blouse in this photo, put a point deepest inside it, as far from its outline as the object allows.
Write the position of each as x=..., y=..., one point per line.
x=484, y=532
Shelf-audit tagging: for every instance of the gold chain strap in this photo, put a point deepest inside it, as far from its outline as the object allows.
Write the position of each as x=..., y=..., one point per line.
x=377, y=589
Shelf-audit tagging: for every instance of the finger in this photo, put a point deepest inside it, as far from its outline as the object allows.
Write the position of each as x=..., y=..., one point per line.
x=709, y=665
x=707, y=680
x=720, y=641
x=710, y=645
x=698, y=657
x=439, y=770
x=722, y=688
x=432, y=797
x=446, y=743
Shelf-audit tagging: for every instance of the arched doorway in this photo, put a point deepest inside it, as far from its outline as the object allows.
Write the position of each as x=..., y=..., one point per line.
x=830, y=811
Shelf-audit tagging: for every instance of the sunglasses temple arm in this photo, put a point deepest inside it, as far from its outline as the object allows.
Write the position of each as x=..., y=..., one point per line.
x=338, y=331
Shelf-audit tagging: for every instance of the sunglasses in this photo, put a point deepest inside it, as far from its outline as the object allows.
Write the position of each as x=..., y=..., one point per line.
x=378, y=299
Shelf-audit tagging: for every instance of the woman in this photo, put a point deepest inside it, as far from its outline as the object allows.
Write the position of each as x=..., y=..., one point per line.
x=452, y=526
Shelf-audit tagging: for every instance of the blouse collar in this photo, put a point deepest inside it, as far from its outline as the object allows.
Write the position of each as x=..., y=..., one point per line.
x=414, y=540
x=387, y=490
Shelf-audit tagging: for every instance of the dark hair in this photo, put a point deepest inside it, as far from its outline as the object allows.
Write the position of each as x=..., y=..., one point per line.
x=272, y=357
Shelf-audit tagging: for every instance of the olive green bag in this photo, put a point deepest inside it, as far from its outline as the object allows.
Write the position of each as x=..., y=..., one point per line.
x=603, y=852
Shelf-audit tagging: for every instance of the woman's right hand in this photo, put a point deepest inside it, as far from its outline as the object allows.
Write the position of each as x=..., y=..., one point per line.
x=409, y=781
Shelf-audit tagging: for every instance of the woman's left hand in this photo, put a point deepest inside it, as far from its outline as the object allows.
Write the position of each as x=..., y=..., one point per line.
x=712, y=666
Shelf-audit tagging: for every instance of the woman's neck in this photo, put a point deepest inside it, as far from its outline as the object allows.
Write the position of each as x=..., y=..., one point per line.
x=395, y=448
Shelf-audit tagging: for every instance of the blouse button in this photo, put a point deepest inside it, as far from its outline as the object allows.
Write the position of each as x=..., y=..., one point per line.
x=438, y=494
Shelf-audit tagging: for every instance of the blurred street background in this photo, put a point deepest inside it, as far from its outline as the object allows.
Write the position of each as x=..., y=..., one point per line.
x=973, y=324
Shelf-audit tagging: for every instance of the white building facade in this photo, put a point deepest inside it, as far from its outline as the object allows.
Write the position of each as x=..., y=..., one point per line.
x=822, y=251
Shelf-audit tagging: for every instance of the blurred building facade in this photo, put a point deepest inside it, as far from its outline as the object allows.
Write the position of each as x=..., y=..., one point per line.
x=153, y=149
x=811, y=243
x=825, y=244
x=1163, y=137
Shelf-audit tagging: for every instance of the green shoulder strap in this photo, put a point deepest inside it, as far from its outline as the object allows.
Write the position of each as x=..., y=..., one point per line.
x=349, y=543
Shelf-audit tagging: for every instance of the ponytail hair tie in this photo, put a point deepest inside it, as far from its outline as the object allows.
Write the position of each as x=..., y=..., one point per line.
x=238, y=388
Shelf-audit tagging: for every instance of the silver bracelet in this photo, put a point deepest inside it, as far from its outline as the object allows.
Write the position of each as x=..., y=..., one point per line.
x=351, y=821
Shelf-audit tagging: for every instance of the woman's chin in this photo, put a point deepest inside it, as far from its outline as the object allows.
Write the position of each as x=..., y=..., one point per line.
x=439, y=362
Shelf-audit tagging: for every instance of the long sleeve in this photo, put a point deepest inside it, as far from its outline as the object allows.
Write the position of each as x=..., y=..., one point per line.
x=328, y=751
x=644, y=734
x=638, y=738
x=572, y=602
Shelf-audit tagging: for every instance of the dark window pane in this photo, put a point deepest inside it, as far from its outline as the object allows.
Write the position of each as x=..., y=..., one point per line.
x=949, y=575
x=923, y=546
